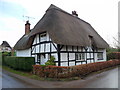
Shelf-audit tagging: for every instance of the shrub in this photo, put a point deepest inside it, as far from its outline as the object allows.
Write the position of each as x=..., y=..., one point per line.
x=19, y=63
x=51, y=61
x=3, y=56
x=113, y=55
x=72, y=71
x=50, y=71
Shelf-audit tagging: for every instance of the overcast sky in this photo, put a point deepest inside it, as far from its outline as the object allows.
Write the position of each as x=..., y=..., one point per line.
x=101, y=14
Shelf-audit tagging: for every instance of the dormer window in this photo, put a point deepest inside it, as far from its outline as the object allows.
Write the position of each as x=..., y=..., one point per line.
x=91, y=39
x=43, y=37
x=92, y=43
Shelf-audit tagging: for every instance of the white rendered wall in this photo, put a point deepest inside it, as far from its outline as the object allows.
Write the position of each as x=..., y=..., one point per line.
x=23, y=53
x=104, y=55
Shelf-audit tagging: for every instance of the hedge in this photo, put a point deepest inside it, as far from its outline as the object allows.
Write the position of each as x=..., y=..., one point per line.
x=113, y=55
x=72, y=71
x=19, y=63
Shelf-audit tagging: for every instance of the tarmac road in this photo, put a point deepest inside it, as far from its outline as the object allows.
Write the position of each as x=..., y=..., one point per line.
x=107, y=79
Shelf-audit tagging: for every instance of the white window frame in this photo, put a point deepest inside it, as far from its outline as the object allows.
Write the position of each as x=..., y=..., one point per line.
x=100, y=56
x=43, y=37
x=80, y=56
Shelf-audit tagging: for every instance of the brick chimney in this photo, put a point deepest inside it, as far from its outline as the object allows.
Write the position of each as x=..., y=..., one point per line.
x=27, y=28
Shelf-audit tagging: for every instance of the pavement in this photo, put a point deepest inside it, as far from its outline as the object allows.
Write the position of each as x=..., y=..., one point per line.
x=107, y=79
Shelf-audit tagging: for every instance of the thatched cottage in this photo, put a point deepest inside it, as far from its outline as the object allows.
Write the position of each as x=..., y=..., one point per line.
x=5, y=47
x=65, y=36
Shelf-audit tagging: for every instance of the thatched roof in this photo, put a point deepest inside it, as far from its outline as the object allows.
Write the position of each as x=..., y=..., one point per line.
x=64, y=29
x=5, y=44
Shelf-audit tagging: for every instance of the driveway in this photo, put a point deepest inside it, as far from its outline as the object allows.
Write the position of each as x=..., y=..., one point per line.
x=107, y=79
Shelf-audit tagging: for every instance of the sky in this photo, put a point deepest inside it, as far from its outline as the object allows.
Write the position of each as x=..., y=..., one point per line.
x=101, y=14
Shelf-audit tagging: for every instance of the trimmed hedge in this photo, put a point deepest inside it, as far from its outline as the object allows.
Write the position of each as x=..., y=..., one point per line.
x=113, y=55
x=4, y=54
x=51, y=71
x=72, y=71
x=19, y=63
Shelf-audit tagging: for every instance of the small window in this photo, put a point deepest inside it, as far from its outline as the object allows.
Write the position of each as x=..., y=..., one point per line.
x=43, y=35
x=100, y=56
x=80, y=56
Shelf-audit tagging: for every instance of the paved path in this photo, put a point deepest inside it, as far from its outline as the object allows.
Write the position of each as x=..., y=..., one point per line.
x=107, y=79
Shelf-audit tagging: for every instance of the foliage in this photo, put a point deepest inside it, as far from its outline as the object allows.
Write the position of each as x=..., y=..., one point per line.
x=51, y=61
x=110, y=50
x=72, y=71
x=19, y=63
x=113, y=55
x=3, y=56
x=50, y=71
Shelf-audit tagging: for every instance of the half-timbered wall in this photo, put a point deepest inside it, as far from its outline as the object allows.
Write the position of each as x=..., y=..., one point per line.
x=42, y=48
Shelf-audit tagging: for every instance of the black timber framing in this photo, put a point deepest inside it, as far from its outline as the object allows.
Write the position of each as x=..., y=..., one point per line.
x=58, y=52
x=75, y=59
x=93, y=55
x=68, y=58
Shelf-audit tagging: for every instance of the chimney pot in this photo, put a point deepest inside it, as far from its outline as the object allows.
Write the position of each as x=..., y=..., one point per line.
x=74, y=13
x=27, y=28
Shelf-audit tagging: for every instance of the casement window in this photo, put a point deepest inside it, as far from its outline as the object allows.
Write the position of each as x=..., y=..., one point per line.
x=80, y=56
x=100, y=56
x=43, y=37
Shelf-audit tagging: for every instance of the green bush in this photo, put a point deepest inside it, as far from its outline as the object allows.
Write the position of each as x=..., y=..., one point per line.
x=19, y=63
x=51, y=61
x=113, y=55
x=3, y=56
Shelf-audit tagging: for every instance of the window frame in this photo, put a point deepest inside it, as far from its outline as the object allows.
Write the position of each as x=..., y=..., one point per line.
x=100, y=57
x=80, y=56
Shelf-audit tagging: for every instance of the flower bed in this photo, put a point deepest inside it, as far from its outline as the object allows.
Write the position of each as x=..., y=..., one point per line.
x=72, y=71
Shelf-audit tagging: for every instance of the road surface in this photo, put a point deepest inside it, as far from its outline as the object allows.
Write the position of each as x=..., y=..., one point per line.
x=107, y=79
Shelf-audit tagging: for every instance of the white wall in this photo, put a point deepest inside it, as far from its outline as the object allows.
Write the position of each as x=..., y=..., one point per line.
x=23, y=53
x=104, y=55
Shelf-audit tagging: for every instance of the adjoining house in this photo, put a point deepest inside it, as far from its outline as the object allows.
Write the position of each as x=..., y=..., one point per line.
x=5, y=47
x=65, y=36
